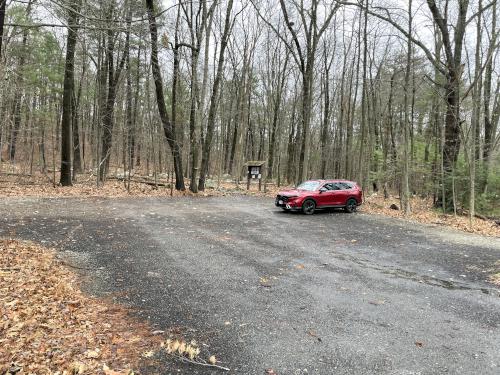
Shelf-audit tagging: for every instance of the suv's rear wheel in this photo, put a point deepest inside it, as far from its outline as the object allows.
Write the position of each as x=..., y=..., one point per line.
x=351, y=205
x=308, y=206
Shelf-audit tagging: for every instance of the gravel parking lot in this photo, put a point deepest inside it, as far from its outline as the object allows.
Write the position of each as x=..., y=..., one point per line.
x=331, y=293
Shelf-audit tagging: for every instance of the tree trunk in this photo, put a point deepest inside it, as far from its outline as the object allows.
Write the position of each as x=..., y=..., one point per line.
x=276, y=112
x=326, y=118
x=474, y=134
x=488, y=124
x=77, y=157
x=193, y=136
x=109, y=106
x=19, y=91
x=405, y=183
x=168, y=128
x=68, y=96
x=3, y=6
x=205, y=158
x=364, y=105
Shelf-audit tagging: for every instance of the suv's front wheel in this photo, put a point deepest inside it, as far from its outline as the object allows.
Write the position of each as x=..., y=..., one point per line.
x=351, y=205
x=308, y=207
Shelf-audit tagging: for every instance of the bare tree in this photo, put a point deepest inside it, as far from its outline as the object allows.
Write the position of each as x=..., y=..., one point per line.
x=68, y=96
x=168, y=127
x=214, y=99
x=3, y=7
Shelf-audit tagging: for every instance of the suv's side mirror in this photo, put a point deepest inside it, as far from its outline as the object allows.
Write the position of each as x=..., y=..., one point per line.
x=323, y=189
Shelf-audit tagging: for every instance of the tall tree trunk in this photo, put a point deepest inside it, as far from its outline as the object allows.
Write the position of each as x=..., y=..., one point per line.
x=405, y=183
x=488, y=124
x=168, y=128
x=68, y=95
x=326, y=117
x=129, y=116
x=18, y=96
x=205, y=158
x=109, y=106
x=453, y=77
x=194, y=99
x=77, y=155
x=364, y=105
x=194, y=109
x=277, y=98
x=476, y=112
x=102, y=74
x=3, y=6
x=197, y=103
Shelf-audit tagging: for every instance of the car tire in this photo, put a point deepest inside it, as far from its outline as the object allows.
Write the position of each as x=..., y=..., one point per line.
x=351, y=205
x=308, y=207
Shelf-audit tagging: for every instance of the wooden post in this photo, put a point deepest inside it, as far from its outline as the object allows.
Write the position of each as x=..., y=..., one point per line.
x=248, y=178
x=172, y=181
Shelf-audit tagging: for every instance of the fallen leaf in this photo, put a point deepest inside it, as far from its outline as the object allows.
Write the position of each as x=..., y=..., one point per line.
x=113, y=372
x=93, y=354
x=212, y=360
x=314, y=334
x=264, y=281
x=78, y=368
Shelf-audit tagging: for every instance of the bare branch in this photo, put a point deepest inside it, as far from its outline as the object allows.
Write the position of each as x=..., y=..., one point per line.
x=437, y=64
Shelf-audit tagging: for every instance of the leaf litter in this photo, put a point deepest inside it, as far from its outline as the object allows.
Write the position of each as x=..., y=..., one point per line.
x=49, y=326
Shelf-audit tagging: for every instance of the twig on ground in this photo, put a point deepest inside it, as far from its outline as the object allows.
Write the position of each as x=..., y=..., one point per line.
x=64, y=263
x=198, y=362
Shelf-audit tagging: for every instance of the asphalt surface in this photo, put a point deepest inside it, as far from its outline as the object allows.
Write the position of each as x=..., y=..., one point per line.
x=259, y=288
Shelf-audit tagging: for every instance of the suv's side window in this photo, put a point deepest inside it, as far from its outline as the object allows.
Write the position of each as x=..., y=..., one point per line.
x=336, y=186
x=328, y=186
x=345, y=185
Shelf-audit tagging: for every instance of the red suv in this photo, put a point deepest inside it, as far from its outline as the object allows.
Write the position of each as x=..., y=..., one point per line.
x=310, y=195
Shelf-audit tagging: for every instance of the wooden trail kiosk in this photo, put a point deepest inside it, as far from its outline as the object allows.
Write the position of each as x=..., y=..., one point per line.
x=255, y=172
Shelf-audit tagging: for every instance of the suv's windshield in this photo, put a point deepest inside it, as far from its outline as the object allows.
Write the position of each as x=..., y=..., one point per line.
x=309, y=186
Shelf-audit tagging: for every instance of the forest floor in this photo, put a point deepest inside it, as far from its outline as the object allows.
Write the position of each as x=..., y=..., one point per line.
x=264, y=291
x=48, y=325
x=15, y=183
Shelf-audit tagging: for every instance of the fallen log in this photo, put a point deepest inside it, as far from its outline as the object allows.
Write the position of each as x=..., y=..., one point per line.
x=141, y=181
x=495, y=220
